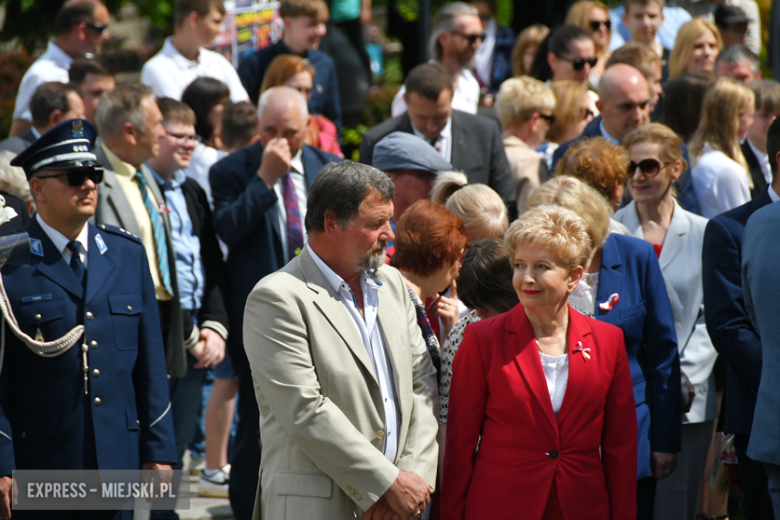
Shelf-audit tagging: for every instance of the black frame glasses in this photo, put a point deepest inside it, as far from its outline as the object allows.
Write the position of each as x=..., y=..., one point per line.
x=579, y=63
x=183, y=138
x=548, y=117
x=595, y=26
x=77, y=177
x=472, y=38
x=648, y=167
x=99, y=27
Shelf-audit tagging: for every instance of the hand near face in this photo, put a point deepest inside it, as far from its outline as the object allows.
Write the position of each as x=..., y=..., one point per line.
x=276, y=162
x=446, y=308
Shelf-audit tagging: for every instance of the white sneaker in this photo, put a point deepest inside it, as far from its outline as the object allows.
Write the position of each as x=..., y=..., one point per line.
x=197, y=464
x=215, y=485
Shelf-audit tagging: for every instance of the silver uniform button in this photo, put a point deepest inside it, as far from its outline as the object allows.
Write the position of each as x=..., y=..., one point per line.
x=90, y=316
x=37, y=317
x=130, y=308
x=94, y=344
x=96, y=373
x=98, y=402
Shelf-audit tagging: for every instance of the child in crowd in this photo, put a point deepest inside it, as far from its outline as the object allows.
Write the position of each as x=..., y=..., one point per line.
x=644, y=18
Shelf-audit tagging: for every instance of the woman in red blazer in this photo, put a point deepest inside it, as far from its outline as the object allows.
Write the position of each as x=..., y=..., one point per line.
x=542, y=422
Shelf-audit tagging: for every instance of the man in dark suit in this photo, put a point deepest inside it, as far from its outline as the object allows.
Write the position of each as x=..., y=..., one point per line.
x=304, y=26
x=732, y=333
x=130, y=198
x=470, y=143
x=51, y=104
x=102, y=401
x=625, y=105
x=260, y=197
x=767, y=94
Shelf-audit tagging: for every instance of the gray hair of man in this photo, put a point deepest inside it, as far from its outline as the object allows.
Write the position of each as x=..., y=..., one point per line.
x=122, y=105
x=12, y=179
x=282, y=94
x=446, y=21
x=736, y=53
x=340, y=188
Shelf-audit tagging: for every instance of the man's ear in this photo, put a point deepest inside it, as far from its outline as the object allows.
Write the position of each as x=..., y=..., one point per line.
x=599, y=105
x=192, y=19
x=330, y=223
x=36, y=191
x=130, y=133
x=55, y=117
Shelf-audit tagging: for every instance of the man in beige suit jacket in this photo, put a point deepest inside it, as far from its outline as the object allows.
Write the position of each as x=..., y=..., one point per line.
x=344, y=383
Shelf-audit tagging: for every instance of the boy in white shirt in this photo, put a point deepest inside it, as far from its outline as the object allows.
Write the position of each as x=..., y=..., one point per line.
x=184, y=57
x=644, y=18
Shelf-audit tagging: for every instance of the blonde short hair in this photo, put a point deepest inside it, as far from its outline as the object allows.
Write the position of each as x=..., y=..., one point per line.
x=559, y=230
x=575, y=195
x=531, y=36
x=683, y=45
x=12, y=179
x=483, y=212
x=520, y=98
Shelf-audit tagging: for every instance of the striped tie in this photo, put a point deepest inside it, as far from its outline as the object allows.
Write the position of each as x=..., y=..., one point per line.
x=159, y=232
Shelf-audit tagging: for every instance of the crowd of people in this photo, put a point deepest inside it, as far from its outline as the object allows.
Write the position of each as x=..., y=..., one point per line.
x=533, y=296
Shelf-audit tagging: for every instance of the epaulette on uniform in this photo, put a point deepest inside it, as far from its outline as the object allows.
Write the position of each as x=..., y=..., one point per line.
x=119, y=231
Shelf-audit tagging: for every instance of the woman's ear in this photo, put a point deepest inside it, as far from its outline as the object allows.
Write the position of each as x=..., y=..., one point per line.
x=677, y=169
x=575, y=277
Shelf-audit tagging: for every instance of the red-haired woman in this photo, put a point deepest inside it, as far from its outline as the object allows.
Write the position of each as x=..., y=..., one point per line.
x=429, y=242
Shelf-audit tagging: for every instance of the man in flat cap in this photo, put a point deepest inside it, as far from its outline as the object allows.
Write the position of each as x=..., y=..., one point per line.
x=412, y=165
x=97, y=398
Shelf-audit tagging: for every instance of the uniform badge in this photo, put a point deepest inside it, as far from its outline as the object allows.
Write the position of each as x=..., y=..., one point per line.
x=77, y=128
x=101, y=244
x=36, y=247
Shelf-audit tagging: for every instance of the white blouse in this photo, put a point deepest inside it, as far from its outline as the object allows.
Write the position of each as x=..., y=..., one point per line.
x=720, y=183
x=556, y=372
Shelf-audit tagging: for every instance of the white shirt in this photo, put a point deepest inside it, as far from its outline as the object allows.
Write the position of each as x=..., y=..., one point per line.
x=774, y=197
x=443, y=142
x=53, y=65
x=169, y=73
x=763, y=161
x=301, y=190
x=371, y=333
x=483, y=57
x=556, y=372
x=720, y=183
x=61, y=242
x=203, y=158
x=465, y=94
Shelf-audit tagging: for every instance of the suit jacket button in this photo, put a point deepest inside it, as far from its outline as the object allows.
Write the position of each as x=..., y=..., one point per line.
x=380, y=434
x=96, y=373
x=358, y=497
x=554, y=454
x=130, y=308
x=23, y=435
x=37, y=317
x=98, y=402
x=90, y=316
x=94, y=344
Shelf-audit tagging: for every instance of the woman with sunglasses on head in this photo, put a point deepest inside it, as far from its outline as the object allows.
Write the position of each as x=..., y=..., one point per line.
x=594, y=18
x=677, y=237
x=721, y=178
x=573, y=111
x=293, y=71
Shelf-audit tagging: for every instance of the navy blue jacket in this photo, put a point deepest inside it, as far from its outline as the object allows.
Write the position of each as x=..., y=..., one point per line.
x=686, y=196
x=46, y=420
x=630, y=269
x=246, y=219
x=728, y=324
x=324, y=99
x=502, y=58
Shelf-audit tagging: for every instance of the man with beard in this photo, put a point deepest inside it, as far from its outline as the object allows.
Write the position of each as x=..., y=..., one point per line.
x=344, y=382
x=260, y=197
x=456, y=35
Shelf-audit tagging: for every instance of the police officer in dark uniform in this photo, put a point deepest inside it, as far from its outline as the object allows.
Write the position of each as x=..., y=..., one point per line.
x=83, y=382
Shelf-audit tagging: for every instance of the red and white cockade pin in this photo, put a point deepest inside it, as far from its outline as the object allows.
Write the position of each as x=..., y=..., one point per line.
x=585, y=351
x=611, y=302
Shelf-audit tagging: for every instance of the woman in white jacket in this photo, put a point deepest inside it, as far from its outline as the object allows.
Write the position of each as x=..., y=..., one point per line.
x=677, y=236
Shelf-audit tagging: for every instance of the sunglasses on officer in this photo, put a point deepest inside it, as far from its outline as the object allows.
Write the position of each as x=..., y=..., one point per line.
x=77, y=178
x=649, y=167
x=579, y=63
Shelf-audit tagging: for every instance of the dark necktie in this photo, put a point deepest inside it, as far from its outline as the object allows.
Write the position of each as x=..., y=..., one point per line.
x=158, y=230
x=294, y=224
x=76, y=265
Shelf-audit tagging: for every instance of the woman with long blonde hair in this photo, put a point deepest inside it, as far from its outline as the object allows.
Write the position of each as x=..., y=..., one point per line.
x=696, y=48
x=720, y=175
x=593, y=16
x=525, y=48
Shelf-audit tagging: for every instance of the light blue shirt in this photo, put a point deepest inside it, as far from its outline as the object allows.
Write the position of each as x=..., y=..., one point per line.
x=371, y=333
x=606, y=134
x=190, y=273
x=674, y=17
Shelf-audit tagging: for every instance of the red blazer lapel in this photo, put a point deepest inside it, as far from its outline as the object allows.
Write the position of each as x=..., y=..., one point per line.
x=580, y=339
x=525, y=350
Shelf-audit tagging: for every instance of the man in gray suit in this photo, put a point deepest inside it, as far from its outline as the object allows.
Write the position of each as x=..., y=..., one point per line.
x=130, y=126
x=472, y=144
x=345, y=385
x=760, y=282
x=51, y=104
